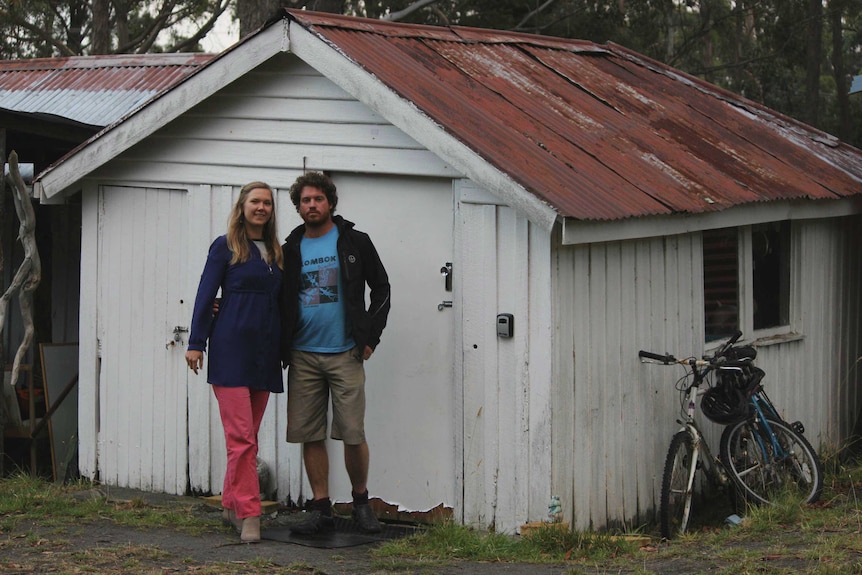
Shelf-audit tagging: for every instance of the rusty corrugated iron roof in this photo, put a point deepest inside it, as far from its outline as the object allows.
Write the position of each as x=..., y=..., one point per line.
x=596, y=131
x=92, y=90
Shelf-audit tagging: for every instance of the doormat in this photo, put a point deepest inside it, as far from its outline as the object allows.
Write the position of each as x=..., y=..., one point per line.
x=345, y=534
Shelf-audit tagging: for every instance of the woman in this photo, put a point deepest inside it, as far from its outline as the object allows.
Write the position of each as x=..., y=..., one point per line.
x=244, y=367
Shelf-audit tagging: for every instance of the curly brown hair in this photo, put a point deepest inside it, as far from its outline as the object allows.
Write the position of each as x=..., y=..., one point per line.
x=317, y=180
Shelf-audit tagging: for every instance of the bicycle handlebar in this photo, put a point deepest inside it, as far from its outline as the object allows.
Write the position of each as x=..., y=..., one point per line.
x=718, y=359
x=728, y=344
x=666, y=358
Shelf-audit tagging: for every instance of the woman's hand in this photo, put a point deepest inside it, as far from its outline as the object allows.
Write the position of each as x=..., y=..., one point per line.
x=195, y=359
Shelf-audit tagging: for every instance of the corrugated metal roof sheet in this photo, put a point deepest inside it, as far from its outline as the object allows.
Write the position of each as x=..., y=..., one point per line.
x=596, y=131
x=92, y=90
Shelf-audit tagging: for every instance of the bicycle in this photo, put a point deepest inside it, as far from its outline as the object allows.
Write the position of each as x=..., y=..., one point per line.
x=760, y=453
x=764, y=455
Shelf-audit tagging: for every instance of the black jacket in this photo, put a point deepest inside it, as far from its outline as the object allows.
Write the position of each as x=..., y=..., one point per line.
x=359, y=265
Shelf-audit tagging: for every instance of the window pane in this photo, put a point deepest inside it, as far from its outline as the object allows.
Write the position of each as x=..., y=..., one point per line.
x=770, y=256
x=721, y=282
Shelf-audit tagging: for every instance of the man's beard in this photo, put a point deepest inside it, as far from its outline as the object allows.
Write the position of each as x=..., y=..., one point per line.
x=317, y=223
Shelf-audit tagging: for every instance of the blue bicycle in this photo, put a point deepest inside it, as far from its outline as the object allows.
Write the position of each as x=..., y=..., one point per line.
x=765, y=456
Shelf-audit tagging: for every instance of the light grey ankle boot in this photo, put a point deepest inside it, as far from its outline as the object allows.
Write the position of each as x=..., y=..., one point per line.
x=250, y=530
x=229, y=518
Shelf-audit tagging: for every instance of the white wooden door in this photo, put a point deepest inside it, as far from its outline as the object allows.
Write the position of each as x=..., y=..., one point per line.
x=142, y=379
x=410, y=395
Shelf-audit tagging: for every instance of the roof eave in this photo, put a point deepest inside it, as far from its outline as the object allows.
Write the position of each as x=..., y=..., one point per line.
x=62, y=177
x=577, y=232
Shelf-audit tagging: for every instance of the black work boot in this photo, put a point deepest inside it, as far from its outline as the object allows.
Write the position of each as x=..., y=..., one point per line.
x=363, y=515
x=318, y=518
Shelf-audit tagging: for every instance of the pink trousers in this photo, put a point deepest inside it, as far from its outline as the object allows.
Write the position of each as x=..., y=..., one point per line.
x=241, y=410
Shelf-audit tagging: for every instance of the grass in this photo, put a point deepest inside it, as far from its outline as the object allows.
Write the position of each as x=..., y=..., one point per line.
x=23, y=496
x=788, y=537
x=545, y=545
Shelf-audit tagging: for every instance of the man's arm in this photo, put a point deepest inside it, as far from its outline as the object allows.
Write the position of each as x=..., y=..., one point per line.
x=378, y=280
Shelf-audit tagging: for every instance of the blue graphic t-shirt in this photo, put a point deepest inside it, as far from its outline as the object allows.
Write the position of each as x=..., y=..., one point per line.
x=323, y=323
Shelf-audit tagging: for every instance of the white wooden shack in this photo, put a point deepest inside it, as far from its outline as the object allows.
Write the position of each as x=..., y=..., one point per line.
x=583, y=189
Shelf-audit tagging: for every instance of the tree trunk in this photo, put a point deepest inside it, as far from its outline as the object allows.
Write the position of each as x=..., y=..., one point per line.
x=100, y=39
x=121, y=9
x=78, y=16
x=252, y=14
x=706, y=25
x=842, y=89
x=814, y=53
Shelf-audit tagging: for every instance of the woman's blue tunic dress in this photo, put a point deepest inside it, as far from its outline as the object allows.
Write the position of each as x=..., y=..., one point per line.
x=244, y=336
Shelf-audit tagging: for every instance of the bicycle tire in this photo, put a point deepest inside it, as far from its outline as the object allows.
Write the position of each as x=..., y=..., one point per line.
x=758, y=475
x=676, y=494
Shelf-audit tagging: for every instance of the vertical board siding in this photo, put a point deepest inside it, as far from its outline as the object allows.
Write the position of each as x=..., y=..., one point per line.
x=512, y=418
x=630, y=295
x=88, y=347
x=609, y=452
x=506, y=381
x=538, y=375
x=200, y=199
x=479, y=302
x=816, y=380
x=142, y=406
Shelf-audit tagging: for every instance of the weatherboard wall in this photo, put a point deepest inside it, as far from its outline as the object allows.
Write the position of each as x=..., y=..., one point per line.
x=613, y=416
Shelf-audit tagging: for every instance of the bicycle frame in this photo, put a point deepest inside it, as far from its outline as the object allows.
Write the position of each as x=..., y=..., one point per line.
x=762, y=408
x=711, y=466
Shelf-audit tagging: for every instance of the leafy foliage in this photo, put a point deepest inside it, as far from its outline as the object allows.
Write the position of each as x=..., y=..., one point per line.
x=770, y=51
x=760, y=49
x=46, y=28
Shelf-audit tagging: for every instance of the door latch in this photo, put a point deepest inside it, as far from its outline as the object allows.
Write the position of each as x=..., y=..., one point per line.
x=178, y=338
x=446, y=270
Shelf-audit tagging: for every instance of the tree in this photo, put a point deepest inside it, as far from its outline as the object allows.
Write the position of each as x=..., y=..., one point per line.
x=45, y=28
x=795, y=56
x=252, y=14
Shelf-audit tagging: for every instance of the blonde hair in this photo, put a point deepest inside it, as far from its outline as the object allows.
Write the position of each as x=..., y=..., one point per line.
x=237, y=238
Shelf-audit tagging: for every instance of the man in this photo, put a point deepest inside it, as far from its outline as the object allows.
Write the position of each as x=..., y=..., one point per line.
x=327, y=334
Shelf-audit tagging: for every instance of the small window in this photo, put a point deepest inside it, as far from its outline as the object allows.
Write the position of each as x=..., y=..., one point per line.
x=721, y=282
x=770, y=260
x=746, y=279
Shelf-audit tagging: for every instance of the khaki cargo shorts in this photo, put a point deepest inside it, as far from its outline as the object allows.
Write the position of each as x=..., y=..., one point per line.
x=312, y=379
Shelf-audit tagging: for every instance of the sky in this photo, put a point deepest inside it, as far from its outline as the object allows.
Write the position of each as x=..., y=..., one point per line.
x=224, y=35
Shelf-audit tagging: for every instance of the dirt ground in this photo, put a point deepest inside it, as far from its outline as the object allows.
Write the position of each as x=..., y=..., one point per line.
x=176, y=552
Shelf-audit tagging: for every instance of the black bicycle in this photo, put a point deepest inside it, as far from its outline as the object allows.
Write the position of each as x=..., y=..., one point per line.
x=761, y=454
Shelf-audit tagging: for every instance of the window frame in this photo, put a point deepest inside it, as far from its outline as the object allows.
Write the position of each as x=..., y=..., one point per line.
x=745, y=282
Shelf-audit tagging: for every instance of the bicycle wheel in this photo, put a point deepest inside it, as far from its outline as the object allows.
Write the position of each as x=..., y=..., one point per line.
x=759, y=473
x=676, y=492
